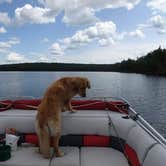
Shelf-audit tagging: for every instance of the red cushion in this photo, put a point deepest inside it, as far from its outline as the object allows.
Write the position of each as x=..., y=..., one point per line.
x=88, y=140
x=26, y=104
x=117, y=106
x=31, y=138
x=5, y=105
x=88, y=104
x=76, y=104
x=99, y=141
x=132, y=155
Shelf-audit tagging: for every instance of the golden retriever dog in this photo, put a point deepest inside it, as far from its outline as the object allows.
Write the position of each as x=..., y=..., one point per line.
x=57, y=99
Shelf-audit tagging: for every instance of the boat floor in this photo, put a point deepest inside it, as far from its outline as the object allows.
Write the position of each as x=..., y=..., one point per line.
x=74, y=156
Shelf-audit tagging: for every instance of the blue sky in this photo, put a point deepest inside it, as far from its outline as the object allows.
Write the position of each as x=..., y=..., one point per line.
x=80, y=31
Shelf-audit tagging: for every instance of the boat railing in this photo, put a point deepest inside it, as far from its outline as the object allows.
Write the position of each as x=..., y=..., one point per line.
x=145, y=125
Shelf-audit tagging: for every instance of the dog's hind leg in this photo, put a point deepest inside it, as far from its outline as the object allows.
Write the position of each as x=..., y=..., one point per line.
x=56, y=138
x=56, y=133
x=44, y=142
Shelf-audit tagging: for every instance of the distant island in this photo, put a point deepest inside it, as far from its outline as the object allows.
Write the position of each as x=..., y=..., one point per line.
x=153, y=63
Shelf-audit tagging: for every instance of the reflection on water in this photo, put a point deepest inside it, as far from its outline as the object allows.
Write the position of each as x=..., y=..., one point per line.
x=147, y=94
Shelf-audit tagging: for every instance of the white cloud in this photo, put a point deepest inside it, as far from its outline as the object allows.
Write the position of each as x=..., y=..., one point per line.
x=13, y=41
x=98, y=4
x=3, y=30
x=159, y=5
x=106, y=42
x=144, y=26
x=103, y=32
x=29, y=14
x=56, y=49
x=14, y=57
x=4, y=18
x=7, y=1
x=34, y=15
x=6, y=45
x=137, y=33
x=159, y=23
x=81, y=17
x=78, y=12
x=156, y=22
x=43, y=59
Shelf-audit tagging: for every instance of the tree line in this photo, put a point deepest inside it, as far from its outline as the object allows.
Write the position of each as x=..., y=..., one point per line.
x=152, y=63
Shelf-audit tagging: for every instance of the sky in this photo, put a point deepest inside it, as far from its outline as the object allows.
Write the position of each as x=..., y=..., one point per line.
x=80, y=31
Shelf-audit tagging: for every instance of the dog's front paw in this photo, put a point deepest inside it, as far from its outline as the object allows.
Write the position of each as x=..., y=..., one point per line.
x=59, y=154
x=73, y=111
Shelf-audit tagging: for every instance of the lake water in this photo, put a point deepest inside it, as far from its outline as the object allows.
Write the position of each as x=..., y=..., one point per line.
x=147, y=94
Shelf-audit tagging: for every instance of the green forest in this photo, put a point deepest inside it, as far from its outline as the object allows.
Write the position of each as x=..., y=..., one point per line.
x=153, y=63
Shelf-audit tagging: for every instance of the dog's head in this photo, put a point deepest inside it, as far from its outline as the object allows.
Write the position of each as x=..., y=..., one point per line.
x=80, y=84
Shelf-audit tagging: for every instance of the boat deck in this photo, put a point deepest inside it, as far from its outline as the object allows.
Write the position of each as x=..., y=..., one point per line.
x=74, y=156
x=89, y=138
